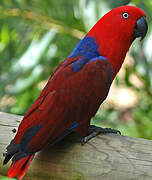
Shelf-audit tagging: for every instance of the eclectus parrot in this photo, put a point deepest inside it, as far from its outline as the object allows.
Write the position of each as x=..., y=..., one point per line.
x=77, y=88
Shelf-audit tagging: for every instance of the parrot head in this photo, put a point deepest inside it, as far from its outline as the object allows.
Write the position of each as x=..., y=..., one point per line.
x=115, y=32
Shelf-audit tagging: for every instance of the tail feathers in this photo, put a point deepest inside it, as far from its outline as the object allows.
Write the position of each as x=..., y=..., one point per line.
x=18, y=168
x=12, y=149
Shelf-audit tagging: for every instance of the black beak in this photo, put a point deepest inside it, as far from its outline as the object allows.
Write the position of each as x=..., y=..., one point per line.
x=140, y=28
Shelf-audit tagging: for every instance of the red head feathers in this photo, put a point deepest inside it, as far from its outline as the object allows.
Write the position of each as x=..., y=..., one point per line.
x=115, y=32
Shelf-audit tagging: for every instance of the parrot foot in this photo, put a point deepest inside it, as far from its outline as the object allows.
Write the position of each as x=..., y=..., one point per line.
x=95, y=130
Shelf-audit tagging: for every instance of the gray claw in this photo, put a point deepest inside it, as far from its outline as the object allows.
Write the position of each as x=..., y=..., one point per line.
x=94, y=131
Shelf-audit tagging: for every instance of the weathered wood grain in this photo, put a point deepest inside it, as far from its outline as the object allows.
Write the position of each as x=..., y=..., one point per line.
x=106, y=157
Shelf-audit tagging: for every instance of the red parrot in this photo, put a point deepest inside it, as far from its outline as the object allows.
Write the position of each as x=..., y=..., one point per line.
x=76, y=89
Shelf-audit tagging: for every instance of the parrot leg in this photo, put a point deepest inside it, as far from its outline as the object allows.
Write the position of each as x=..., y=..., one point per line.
x=95, y=130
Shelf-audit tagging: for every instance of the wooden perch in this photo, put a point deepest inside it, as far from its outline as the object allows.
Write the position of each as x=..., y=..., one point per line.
x=106, y=157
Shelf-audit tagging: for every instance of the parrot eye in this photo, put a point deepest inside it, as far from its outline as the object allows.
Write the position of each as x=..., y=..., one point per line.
x=125, y=15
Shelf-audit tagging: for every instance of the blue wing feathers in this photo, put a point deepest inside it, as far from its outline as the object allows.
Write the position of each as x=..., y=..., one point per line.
x=73, y=126
x=87, y=50
x=28, y=136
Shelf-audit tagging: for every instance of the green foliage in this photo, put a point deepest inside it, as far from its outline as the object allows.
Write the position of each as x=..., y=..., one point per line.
x=35, y=36
x=5, y=178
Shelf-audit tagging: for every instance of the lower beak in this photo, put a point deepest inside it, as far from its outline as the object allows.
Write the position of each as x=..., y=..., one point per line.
x=140, y=28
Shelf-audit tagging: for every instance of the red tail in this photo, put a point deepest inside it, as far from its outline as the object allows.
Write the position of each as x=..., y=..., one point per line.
x=18, y=168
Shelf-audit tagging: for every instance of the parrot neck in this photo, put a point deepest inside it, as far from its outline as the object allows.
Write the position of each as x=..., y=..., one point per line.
x=115, y=52
x=113, y=47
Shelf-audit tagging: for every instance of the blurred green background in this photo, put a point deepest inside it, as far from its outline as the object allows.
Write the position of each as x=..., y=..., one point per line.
x=35, y=36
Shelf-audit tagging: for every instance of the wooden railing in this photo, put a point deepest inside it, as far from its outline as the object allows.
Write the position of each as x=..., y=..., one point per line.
x=106, y=157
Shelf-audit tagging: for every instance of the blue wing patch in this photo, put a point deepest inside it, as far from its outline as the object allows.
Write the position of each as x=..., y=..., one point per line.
x=98, y=58
x=88, y=50
x=73, y=126
x=79, y=64
x=28, y=136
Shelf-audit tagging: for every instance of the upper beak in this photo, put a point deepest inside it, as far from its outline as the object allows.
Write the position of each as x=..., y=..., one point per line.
x=140, y=28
